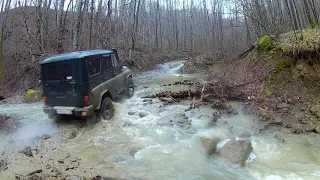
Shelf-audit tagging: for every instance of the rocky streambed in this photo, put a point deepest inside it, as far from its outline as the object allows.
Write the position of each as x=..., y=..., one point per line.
x=150, y=139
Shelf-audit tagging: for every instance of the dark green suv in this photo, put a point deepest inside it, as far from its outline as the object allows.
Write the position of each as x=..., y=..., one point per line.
x=84, y=83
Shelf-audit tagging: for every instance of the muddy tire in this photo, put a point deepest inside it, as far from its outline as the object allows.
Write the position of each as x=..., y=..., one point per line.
x=130, y=88
x=106, y=111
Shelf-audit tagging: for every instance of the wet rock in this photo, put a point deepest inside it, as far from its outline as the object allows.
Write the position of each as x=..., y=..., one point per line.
x=35, y=172
x=132, y=112
x=279, y=138
x=315, y=110
x=276, y=121
x=264, y=114
x=27, y=151
x=187, y=82
x=73, y=135
x=243, y=134
x=45, y=136
x=166, y=99
x=3, y=165
x=149, y=101
x=60, y=161
x=218, y=104
x=186, y=126
x=236, y=151
x=260, y=127
x=127, y=124
x=73, y=178
x=105, y=178
x=208, y=98
x=209, y=146
x=145, y=87
x=216, y=115
x=142, y=114
x=132, y=150
x=317, y=129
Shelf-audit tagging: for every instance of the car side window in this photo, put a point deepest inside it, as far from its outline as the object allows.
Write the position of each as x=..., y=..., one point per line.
x=114, y=61
x=106, y=62
x=94, y=66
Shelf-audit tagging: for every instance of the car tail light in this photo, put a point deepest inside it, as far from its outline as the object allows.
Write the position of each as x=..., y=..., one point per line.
x=44, y=100
x=86, y=100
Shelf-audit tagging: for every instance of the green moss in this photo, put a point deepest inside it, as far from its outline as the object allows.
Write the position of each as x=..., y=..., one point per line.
x=265, y=43
x=33, y=96
x=268, y=92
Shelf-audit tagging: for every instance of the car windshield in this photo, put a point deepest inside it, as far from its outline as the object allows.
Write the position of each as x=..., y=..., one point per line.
x=59, y=72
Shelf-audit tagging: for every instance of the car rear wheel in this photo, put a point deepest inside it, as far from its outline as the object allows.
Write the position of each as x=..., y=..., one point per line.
x=130, y=88
x=106, y=111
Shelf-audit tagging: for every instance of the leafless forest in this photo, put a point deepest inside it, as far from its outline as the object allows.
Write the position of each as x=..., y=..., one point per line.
x=33, y=28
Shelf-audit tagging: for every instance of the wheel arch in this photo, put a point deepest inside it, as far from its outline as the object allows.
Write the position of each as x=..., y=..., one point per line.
x=102, y=97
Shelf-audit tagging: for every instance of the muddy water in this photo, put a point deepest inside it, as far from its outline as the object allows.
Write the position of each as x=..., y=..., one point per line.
x=159, y=151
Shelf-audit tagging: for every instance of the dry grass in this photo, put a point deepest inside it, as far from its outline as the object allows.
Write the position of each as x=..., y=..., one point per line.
x=302, y=44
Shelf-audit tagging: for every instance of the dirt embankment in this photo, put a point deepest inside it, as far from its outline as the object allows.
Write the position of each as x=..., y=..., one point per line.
x=282, y=85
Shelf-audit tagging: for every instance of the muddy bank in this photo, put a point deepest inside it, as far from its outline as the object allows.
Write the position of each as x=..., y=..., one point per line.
x=284, y=93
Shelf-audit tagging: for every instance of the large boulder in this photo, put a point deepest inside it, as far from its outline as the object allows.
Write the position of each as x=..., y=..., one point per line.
x=316, y=110
x=208, y=145
x=32, y=96
x=236, y=151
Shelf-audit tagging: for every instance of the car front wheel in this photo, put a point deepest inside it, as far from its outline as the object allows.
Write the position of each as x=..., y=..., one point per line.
x=106, y=111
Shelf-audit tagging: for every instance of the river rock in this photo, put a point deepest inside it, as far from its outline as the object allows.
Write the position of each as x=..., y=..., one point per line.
x=236, y=151
x=27, y=151
x=315, y=110
x=317, y=129
x=276, y=121
x=73, y=135
x=208, y=98
x=216, y=115
x=279, y=138
x=35, y=172
x=132, y=112
x=209, y=146
x=45, y=136
x=260, y=127
x=142, y=114
x=243, y=134
x=3, y=165
x=73, y=178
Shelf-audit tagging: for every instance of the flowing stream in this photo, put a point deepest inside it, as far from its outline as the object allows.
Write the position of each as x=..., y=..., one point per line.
x=160, y=151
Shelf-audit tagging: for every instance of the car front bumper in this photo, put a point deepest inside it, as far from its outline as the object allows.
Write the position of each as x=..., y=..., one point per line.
x=76, y=111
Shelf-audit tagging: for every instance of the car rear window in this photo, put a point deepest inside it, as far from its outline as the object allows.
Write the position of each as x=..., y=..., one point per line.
x=59, y=72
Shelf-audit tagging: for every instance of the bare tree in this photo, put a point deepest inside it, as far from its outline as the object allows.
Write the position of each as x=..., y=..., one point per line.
x=77, y=28
x=60, y=28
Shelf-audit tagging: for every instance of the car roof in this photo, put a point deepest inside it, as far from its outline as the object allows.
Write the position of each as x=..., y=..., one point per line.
x=76, y=55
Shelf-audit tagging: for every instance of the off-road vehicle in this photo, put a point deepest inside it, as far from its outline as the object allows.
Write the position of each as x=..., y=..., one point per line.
x=84, y=83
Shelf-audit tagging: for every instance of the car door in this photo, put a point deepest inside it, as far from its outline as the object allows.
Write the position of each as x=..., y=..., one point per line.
x=107, y=67
x=117, y=70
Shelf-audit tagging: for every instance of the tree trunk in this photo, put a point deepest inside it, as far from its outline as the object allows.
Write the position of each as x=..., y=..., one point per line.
x=91, y=24
x=60, y=28
x=77, y=28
